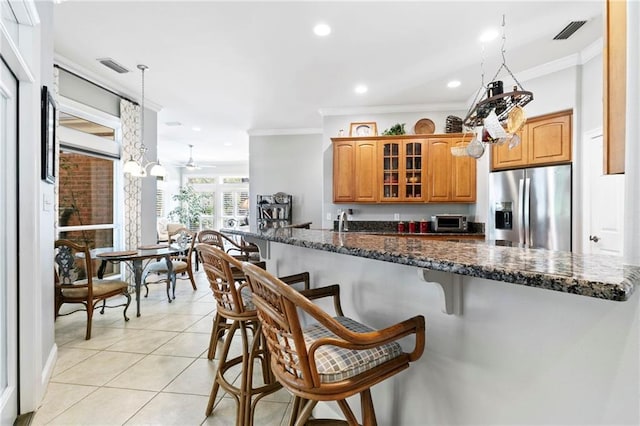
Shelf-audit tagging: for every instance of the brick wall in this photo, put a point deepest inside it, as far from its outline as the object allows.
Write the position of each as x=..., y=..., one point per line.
x=86, y=197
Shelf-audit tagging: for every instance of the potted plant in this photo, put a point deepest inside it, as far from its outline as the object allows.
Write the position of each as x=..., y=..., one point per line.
x=190, y=209
x=397, y=129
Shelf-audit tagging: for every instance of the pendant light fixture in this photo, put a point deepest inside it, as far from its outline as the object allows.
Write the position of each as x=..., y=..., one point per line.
x=138, y=168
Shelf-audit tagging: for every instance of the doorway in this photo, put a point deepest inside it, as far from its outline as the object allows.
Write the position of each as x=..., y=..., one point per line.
x=603, y=213
x=8, y=243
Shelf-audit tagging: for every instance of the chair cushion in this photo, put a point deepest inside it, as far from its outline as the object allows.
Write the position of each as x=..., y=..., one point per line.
x=247, y=300
x=161, y=266
x=335, y=363
x=100, y=288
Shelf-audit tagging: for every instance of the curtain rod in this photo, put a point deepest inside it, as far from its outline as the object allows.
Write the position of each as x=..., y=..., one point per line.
x=96, y=84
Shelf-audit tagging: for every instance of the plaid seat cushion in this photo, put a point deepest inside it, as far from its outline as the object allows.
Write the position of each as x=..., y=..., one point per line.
x=335, y=363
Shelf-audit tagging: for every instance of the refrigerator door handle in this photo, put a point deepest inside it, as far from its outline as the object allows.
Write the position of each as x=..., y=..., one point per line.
x=520, y=212
x=525, y=207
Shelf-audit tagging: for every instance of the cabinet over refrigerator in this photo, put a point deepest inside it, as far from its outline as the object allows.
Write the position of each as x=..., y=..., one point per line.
x=531, y=207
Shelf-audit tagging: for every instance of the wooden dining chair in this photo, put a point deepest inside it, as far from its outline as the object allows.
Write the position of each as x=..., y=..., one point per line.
x=75, y=283
x=181, y=263
x=330, y=360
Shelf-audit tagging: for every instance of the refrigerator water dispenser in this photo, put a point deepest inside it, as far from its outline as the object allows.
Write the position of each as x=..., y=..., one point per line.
x=504, y=215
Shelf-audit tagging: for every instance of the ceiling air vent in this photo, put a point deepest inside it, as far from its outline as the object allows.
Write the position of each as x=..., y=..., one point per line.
x=173, y=123
x=110, y=63
x=569, y=30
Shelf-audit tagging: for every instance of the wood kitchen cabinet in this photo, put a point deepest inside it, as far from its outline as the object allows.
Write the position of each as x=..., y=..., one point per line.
x=355, y=171
x=402, y=176
x=450, y=178
x=402, y=169
x=544, y=140
x=614, y=58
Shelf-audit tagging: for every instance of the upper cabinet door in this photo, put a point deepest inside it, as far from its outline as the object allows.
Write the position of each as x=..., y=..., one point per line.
x=550, y=140
x=343, y=171
x=463, y=185
x=503, y=157
x=366, y=165
x=439, y=174
x=413, y=179
x=390, y=170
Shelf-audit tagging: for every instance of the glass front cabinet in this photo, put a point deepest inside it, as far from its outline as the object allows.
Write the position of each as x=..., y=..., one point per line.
x=402, y=170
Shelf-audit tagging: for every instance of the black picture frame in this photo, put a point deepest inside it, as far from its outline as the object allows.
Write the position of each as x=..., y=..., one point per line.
x=48, y=119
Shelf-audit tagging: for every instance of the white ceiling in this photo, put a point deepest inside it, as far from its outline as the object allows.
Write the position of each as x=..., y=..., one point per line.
x=233, y=67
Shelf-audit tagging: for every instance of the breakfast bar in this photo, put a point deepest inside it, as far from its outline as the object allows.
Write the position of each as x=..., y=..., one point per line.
x=537, y=336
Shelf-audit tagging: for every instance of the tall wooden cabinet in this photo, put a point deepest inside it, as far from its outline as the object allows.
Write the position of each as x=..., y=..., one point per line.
x=402, y=169
x=544, y=140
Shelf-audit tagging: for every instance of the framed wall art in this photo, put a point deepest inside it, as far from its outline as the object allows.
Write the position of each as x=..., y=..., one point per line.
x=364, y=128
x=48, y=126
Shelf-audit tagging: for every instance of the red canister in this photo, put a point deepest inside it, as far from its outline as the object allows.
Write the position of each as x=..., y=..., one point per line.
x=412, y=227
x=424, y=226
x=400, y=227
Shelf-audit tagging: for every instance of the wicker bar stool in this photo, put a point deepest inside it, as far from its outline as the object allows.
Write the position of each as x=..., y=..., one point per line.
x=234, y=304
x=330, y=360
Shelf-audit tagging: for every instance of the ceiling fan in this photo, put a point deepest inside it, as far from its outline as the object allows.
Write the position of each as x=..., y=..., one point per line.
x=191, y=164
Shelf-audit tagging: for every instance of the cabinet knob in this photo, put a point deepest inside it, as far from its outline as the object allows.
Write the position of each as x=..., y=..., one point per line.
x=594, y=238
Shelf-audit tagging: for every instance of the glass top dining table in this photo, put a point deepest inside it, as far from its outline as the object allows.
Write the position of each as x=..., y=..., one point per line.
x=135, y=260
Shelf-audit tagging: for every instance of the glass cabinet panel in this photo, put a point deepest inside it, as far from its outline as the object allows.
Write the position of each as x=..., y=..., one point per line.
x=413, y=170
x=390, y=170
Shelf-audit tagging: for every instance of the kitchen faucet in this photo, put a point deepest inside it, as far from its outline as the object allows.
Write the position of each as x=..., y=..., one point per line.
x=343, y=221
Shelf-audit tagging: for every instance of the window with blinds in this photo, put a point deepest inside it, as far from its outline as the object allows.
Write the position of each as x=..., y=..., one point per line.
x=235, y=205
x=159, y=202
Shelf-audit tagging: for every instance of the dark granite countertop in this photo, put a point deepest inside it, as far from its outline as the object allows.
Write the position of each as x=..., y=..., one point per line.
x=604, y=277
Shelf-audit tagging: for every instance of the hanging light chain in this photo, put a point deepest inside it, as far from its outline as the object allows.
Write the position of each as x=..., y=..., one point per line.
x=143, y=147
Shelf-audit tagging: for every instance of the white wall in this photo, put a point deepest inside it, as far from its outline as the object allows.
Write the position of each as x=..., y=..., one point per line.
x=290, y=164
x=516, y=355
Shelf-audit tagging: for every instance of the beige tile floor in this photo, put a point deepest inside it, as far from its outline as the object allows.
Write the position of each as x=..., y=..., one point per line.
x=152, y=370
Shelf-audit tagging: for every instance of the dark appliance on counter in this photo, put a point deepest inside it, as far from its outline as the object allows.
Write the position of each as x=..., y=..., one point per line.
x=449, y=223
x=531, y=207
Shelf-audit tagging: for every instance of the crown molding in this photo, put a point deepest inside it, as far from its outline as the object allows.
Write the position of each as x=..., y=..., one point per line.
x=283, y=132
x=92, y=77
x=387, y=109
x=591, y=51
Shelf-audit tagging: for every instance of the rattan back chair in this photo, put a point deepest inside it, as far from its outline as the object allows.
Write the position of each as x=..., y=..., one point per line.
x=330, y=360
x=233, y=303
x=241, y=250
x=75, y=283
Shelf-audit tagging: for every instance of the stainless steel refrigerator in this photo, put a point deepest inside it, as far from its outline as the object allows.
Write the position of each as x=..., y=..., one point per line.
x=531, y=207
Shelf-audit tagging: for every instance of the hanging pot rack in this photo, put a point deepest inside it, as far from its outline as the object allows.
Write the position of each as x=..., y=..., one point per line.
x=502, y=103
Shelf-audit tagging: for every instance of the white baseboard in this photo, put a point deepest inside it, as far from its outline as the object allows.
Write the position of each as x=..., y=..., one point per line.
x=47, y=371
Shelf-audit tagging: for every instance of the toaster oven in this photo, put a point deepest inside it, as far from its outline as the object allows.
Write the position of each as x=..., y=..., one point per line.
x=449, y=223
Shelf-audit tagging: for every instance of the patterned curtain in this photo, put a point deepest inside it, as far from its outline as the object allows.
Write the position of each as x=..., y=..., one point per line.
x=131, y=144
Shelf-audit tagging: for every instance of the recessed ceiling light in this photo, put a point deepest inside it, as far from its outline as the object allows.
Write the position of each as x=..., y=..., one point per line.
x=228, y=144
x=322, y=30
x=196, y=128
x=488, y=35
x=453, y=84
x=360, y=89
